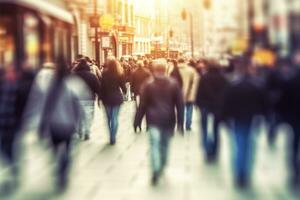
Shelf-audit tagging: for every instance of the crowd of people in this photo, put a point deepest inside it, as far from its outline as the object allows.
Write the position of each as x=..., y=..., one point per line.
x=58, y=103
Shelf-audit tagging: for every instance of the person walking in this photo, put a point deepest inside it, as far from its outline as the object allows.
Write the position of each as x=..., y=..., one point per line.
x=111, y=85
x=15, y=85
x=244, y=99
x=210, y=90
x=139, y=76
x=190, y=79
x=88, y=97
x=54, y=111
x=289, y=109
x=161, y=98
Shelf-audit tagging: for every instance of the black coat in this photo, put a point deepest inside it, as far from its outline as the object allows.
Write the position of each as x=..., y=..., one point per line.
x=111, y=86
x=13, y=101
x=210, y=90
x=159, y=98
x=139, y=76
x=289, y=102
x=243, y=100
x=91, y=80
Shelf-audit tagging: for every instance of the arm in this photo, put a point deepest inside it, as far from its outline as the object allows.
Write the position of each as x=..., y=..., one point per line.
x=141, y=110
x=179, y=104
x=122, y=84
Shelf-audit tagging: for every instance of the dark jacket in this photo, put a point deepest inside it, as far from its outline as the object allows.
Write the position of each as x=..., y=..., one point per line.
x=210, y=90
x=91, y=81
x=13, y=99
x=289, y=102
x=139, y=76
x=111, y=86
x=159, y=98
x=243, y=100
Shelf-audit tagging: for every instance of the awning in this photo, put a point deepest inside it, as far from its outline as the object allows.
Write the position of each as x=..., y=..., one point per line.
x=44, y=7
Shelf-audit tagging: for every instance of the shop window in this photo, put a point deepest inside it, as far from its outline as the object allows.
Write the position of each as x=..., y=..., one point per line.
x=31, y=41
x=7, y=42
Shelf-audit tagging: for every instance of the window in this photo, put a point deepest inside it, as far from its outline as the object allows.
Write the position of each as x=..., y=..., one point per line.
x=7, y=42
x=31, y=41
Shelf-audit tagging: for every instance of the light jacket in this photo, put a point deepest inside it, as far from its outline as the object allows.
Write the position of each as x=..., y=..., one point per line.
x=190, y=80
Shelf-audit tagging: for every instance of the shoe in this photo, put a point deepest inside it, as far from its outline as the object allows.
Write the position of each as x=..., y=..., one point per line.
x=62, y=184
x=242, y=182
x=188, y=128
x=154, y=179
x=86, y=137
x=112, y=142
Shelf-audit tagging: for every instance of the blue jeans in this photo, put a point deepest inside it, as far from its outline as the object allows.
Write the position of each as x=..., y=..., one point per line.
x=188, y=115
x=242, y=150
x=112, y=113
x=210, y=138
x=159, y=145
x=86, y=122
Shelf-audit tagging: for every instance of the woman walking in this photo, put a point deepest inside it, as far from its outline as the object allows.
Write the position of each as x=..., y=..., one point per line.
x=112, y=83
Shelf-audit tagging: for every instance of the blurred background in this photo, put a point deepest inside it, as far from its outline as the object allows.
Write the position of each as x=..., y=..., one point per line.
x=90, y=32
x=37, y=31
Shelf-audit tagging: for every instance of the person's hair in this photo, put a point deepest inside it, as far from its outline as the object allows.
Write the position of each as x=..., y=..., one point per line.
x=61, y=67
x=159, y=65
x=114, y=66
x=181, y=60
x=79, y=56
x=82, y=66
x=88, y=59
x=140, y=64
x=146, y=62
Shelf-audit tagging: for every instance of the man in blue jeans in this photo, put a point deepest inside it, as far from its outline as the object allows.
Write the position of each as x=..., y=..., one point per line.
x=211, y=87
x=190, y=79
x=243, y=100
x=162, y=103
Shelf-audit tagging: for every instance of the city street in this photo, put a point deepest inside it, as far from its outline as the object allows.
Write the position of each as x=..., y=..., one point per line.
x=121, y=172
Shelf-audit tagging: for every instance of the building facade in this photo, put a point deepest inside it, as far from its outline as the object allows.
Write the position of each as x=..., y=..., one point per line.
x=143, y=31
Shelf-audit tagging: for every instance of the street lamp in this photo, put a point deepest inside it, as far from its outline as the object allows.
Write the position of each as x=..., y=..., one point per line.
x=184, y=15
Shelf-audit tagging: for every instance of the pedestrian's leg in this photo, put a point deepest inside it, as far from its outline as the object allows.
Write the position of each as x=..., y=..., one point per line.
x=108, y=111
x=114, y=124
x=137, y=103
x=272, y=119
x=8, y=151
x=204, y=128
x=188, y=116
x=89, y=109
x=242, y=154
x=164, y=147
x=215, y=137
x=295, y=157
x=64, y=162
x=155, y=157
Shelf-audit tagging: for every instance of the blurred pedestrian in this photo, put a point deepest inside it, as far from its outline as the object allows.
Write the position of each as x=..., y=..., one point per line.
x=15, y=85
x=174, y=73
x=93, y=67
x=276, y=78
x=243, y=100
x=190, y=81
x=211, y=87
x=289, y=109
x=112, y=83
x=88, y=97
x=161, y=98
x=139, y=76
x=54, y=111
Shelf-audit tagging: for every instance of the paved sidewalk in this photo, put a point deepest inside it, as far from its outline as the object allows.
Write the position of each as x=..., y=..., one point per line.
x=122, y=172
